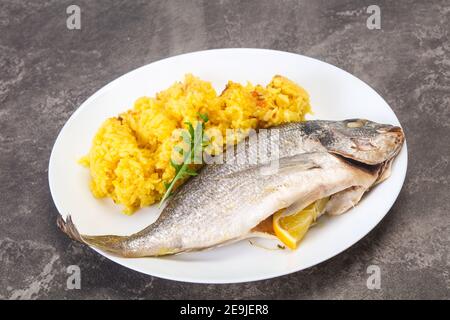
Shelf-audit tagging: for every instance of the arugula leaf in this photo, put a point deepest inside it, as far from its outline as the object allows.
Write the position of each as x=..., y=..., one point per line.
x=191, y=129
x=196, y=140
x=203, y=116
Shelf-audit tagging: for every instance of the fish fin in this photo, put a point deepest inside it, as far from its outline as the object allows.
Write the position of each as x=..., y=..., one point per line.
x=385, y=172
x=300, y=161
x=344, y=200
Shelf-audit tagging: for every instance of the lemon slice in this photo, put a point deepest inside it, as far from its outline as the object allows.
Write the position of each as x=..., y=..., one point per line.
x=292, y=228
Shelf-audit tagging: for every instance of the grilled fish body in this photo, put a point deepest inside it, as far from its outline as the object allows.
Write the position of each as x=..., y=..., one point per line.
x=226, y=202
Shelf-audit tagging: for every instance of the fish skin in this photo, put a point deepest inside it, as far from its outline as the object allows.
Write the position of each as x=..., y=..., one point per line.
x=225, y=202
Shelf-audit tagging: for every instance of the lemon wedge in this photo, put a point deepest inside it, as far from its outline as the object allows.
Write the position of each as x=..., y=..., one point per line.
x=291, y=229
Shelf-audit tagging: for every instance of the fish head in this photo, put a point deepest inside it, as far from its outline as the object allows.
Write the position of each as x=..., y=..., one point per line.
x=363, y=140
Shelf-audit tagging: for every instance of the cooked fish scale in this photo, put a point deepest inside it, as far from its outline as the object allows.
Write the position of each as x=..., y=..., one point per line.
x=225, y=202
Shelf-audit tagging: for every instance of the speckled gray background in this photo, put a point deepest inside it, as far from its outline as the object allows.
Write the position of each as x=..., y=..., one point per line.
x=47, y=71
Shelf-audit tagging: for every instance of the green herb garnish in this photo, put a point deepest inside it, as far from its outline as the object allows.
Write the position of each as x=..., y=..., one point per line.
x=195, y=138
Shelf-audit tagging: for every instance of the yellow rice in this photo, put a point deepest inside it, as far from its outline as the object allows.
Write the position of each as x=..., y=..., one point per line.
x=130, y=154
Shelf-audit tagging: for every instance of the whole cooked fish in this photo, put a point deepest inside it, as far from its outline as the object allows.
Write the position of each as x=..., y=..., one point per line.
x=226, y=202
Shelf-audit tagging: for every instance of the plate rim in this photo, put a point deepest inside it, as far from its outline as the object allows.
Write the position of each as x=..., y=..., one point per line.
x=187, y=279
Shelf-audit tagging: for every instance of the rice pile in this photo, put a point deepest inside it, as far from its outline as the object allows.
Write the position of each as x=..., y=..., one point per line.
x=129, y=160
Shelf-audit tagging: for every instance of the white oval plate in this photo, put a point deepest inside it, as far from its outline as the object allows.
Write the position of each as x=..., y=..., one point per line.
x=335, y=94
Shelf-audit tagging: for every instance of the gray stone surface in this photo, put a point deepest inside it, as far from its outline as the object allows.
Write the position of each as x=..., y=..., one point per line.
x=47, y=71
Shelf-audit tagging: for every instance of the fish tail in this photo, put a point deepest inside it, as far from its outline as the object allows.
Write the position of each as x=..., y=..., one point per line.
x=109, y=243
x=69, y=228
